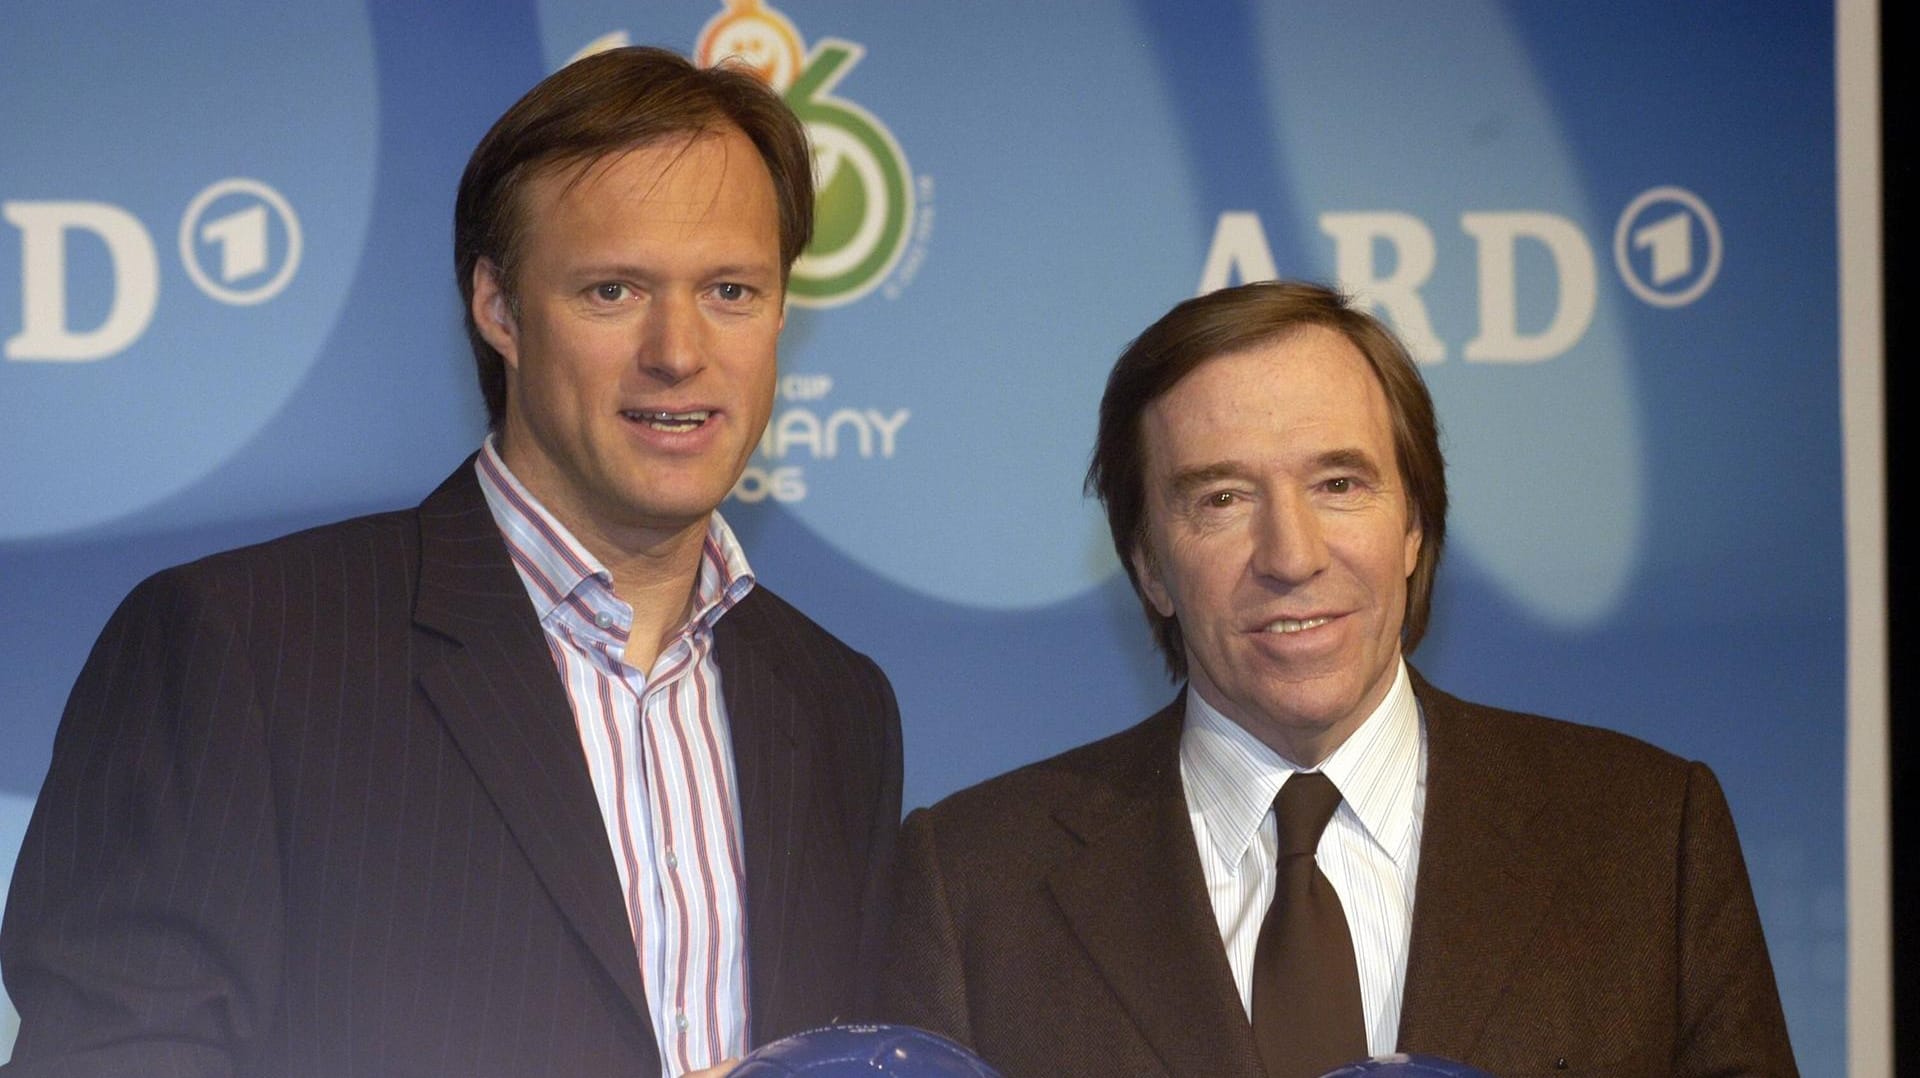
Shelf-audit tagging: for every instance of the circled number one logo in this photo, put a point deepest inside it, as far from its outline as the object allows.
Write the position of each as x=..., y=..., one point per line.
x=1667, y=247
x=240, y=234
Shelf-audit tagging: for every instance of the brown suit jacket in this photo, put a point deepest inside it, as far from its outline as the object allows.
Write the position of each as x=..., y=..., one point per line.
x=318, y=807
x=1582, y=908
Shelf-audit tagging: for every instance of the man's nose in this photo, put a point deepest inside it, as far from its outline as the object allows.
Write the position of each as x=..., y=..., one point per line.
x=1290, y=543
x=670, y=348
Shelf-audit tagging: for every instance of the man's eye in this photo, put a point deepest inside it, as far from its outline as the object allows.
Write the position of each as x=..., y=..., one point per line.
x=1221, y=499
x=731, y=291
x=1339, y=486
x=609, y=292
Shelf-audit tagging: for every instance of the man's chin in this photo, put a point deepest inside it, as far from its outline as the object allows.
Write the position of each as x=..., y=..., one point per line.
x=1310, y=717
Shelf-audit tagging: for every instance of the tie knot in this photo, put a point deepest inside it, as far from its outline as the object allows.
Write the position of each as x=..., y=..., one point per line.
x=1305, y=804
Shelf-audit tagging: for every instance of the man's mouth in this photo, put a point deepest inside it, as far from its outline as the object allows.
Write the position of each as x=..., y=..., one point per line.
x=1293, y=625
x=670, y=422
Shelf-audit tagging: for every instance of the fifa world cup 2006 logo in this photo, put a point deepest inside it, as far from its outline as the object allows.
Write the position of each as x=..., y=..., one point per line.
x=863, y=200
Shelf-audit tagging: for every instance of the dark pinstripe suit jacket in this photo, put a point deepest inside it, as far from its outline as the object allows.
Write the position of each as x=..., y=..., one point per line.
x=318, y=807
x=1582, y=908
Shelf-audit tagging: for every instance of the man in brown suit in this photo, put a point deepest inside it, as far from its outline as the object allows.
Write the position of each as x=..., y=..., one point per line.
x=1526, y=895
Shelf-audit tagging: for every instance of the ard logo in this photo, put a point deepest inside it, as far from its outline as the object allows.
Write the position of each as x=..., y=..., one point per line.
x=863, y=202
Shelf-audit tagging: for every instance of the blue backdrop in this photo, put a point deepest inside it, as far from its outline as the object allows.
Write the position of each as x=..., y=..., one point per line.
x=1608, y=231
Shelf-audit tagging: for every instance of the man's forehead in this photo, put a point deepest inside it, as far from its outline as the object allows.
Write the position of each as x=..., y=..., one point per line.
x=706, y=191
x=644, y=169
x=1311, y=381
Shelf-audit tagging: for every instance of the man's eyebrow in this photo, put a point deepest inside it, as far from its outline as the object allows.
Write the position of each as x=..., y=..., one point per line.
x=617, y=269
x=1358, y=461
x=1188, y=479
x=745, y=269
x=609, y=270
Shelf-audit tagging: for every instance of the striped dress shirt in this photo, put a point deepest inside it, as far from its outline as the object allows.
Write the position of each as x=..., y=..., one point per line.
x=659, y=752
x=1369, y=851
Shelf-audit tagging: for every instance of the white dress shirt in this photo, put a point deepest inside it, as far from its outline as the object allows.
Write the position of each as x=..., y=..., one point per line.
x=1369, y=851
x=658, y=748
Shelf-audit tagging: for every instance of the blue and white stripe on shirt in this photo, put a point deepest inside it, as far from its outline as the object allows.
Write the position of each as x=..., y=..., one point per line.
x=659, y=751
x=1370, y=850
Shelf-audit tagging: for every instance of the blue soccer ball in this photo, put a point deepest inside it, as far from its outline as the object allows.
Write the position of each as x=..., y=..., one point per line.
x=863, y=1052
x=1403, y=1066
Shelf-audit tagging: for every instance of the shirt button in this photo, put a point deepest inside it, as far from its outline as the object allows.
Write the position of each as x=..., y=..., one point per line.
x=673, y=859
x=680, y=1021
x=604, y=620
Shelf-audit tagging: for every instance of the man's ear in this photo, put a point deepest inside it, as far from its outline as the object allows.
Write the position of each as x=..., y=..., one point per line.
x=1146, y=570
x=493, y=312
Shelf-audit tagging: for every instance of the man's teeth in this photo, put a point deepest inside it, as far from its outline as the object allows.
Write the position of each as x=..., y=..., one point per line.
x=1289, y=625
x=673, y=422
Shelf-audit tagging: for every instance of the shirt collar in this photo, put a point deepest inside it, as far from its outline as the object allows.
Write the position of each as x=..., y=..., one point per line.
x=558, y=571
x=1232, y=776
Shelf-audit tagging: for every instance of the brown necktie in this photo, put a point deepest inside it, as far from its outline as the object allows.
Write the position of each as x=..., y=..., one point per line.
x=1307, y=1017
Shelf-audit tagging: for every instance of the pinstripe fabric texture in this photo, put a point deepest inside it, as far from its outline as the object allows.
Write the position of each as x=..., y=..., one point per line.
x=1369, y=851
x=655, y=743
x=1583, y=909
x=319, y=808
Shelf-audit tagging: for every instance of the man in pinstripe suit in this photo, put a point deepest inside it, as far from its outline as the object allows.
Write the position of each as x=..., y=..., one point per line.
x=1528, y=895
x=534, y=778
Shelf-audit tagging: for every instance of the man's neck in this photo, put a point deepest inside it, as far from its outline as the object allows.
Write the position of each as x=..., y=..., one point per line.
x=1305, y=745
x=655, y=575
x=654, y=564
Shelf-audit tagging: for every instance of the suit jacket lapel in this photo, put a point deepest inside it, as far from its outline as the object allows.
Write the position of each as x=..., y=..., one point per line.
x=1137, y=901
x=495, y=688
x=1485, y=881
x=773, y=767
